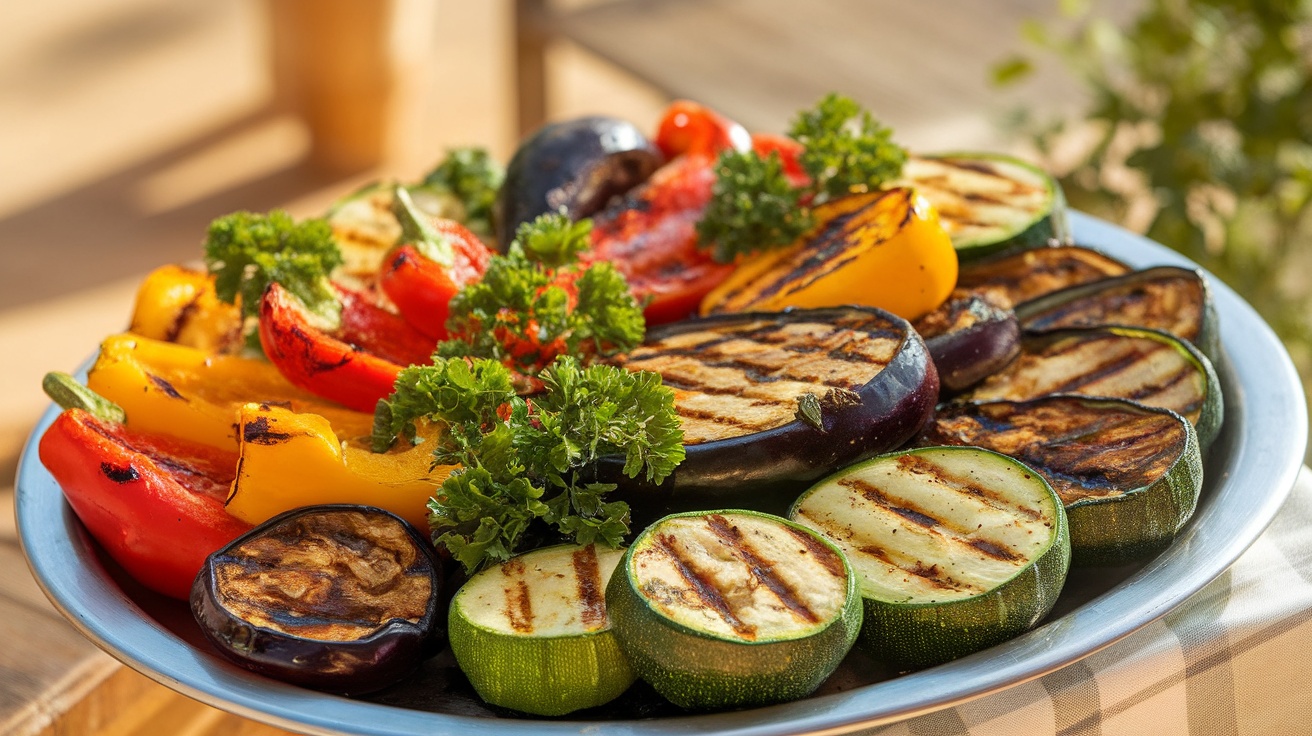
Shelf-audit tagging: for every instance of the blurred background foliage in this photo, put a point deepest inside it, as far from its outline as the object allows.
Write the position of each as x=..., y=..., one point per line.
x=1198, y=133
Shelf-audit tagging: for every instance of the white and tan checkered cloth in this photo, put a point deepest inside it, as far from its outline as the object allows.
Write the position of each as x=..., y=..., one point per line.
x=1236, y=658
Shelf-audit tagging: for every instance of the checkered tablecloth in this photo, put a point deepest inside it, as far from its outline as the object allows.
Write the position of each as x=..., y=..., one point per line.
x=1236, y=658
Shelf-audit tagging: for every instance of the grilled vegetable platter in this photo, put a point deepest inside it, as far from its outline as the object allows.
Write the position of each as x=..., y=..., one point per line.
x=641, y=427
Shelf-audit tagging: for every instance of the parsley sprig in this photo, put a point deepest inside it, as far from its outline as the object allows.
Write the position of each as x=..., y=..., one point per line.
x=753, y=206
x=247, y=251
x=521, y=457
x=538, y=301
x=472, y=177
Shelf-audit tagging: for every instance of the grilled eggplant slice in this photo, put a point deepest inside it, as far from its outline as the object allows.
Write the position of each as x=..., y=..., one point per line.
x=340, y=598
x=991, y=203
x=771, y=402
x=1147, y=366
x=955, y=548
x=726, y=609
x=1167, y=298
x=1014, y=278
x=1128, y=475
x=969, y=340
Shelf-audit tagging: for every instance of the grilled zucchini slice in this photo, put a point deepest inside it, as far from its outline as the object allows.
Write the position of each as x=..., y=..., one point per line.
x=1168, y=298
x=1146, y=366
x=989, y=203
x=1128, y=475
x=956, y=549
x=720, y=609
x=1013, y=278
x=532, y=633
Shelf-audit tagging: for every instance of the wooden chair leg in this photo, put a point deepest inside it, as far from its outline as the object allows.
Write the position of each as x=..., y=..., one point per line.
x=531, y=39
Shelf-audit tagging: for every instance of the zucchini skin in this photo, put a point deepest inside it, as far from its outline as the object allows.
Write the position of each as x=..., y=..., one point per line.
x=765, y=471
x=698, y=671
x=1109, y=530
x=914, y=636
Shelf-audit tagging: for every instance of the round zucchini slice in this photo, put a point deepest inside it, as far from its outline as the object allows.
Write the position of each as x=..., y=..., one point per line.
x=722, y=609
x=956, y=549
x=532, y=633
x=1129, y=475
x=989, y=203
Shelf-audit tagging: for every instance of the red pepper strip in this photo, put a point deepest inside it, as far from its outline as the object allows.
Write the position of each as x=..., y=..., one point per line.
x=651, y=238
x=320, y=362
x=687, y=127
x=379, y=331
x=154, y=503
x=422, y=288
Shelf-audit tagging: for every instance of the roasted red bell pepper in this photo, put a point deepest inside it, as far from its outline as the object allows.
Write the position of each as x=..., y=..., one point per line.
x=154, y=503
x=437, y=258
x=688, y=127
x=354, y=365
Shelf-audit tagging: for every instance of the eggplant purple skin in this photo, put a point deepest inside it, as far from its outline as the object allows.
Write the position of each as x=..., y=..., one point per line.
x=575, y=167
x=766, y=471
x=967, y=356
x=355, y=667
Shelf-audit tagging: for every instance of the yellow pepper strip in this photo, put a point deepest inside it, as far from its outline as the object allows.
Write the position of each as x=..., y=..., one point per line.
x=192, y=394
x=881, y=249
x=178, y=304
x=290, y=460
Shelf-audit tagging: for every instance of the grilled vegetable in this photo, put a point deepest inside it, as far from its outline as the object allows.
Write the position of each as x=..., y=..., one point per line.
x=990, y=202
x=572, y=167
x=881, y=249
x=969, y=340
x=741, y=385
x=339, y=598
x=732, y=608
x=1018, y=277
x=955, y=549
x=179, y=304
x=1128, y=475
x=1167, y=298
x=1147, y=366
x=532, y=633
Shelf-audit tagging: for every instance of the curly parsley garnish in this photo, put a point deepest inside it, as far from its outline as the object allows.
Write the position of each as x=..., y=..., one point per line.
x=753, y=206
x=247, y=251
x=521, y=457
x=473, y=177
x=538, y=301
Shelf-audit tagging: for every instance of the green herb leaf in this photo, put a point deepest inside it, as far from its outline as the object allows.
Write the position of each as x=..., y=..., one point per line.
x=846, y=149
x=246, y=252
x=514, y=452
x=472, y=177
x=532, y=305
x=753, y=207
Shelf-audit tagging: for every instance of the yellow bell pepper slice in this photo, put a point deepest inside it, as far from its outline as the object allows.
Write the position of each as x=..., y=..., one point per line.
x=289, y=460
x=178, y=304
x=185, y=392
x=881, y=249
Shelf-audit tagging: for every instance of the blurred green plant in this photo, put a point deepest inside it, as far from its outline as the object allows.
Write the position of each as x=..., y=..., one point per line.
x=1198, y=133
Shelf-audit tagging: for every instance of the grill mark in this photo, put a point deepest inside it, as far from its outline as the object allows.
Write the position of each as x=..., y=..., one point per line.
x=964, y=486
x=761, y=570
x=929, y=574
x=935, y=526
x=165, y=386
x=587, y=574
x=819, y=552
x=182, y=318
x=721, y=419
x=257, y=432
x=119, y=474
x=519, y=607
x=1101, y=371
x=1174, y=379
x=707, y=593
